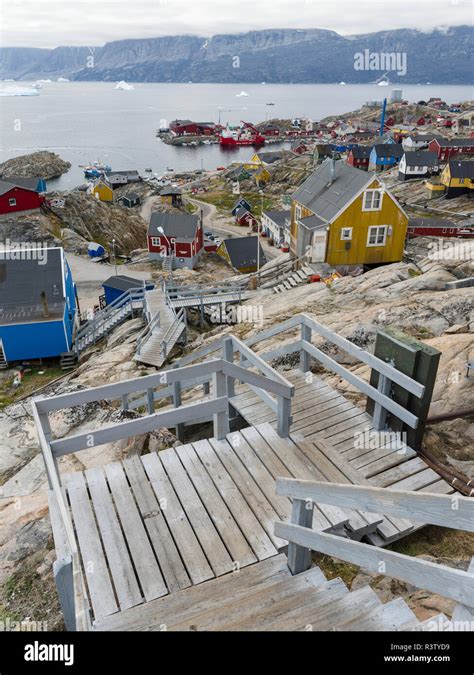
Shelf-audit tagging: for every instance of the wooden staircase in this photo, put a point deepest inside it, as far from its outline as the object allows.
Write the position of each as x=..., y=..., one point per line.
x=266, y=597
x=164, y=329
x=3, y=360
x=294, y=279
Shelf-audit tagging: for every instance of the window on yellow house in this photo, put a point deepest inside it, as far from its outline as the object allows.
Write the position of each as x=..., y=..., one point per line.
x=346, y=234
x=372, y=200
x=377, y=236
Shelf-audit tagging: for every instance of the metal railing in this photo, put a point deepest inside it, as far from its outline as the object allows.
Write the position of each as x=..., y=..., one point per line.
x=147, y=332
x=179, y=320
x=451, y=511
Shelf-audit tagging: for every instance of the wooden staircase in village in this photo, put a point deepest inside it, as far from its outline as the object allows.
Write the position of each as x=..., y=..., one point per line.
x=191, y=537
x=266, y=597
x=3, y=360
x=164, y=329
x=103, y=322
x=296, y=278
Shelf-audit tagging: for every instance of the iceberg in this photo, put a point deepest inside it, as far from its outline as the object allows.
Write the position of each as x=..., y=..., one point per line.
x=63, y=79
x=124, y=86
x=342, y=83
x=18, y=91
x=242, y=93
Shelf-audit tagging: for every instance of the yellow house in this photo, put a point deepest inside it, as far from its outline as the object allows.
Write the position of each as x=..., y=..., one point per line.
x=343, y=216
x=458, y=177
x=102, y=190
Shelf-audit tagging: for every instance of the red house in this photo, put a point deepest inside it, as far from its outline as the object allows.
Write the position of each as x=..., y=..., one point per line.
x=359, y=155
x=190, y=128
x=446, y=149
x=176, y=236
x=271, y=130
x=244, y=217
x=15, y=198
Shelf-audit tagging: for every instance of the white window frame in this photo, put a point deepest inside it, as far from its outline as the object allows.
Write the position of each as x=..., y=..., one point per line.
x=298, y=211
x=371, y=194
x=376, y=228
x=346, y=229
x=155, y=241
x=12, y=201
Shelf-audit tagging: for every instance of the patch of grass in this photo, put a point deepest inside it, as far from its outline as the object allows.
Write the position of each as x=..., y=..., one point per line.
x=414, y=273
x=224, y=201
x=439, y=542
x=332, y=568
x=37, y=377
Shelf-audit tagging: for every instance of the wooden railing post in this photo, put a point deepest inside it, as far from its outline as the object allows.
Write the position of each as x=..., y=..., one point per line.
x=177, y=403
x=151, y=401
x=284, y=417
x=63, y=576
x=305, y=358
x=299, y=557
x=380, y=414
x=228, y=354
x=221, y=420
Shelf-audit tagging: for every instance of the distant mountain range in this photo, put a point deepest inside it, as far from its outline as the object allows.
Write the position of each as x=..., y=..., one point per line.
x=273, y=56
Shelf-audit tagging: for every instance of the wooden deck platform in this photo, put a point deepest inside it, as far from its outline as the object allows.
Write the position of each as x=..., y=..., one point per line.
x=325, y=417
x=153, y=525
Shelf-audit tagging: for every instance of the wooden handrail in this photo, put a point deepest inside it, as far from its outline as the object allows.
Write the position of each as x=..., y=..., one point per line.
x=445, y=510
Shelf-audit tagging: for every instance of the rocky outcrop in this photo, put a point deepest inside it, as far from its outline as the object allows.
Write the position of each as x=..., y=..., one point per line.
x=43, y=164
x=96, y=221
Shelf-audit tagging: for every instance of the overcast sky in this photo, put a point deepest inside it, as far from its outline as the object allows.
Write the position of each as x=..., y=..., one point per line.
x=49, y=23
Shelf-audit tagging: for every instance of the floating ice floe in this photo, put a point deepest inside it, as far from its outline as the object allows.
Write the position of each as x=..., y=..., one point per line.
x=342, y=83
x=18, y=91
x=42, y=81
x=63, y=79
x=124, y=86
x=242, y=93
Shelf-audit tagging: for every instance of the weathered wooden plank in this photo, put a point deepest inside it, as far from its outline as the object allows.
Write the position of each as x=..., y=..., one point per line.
x=417, y=481
x=211, y=543
x=398, y=472
x=186, y=541
x=447, y=581
x=120, y=565
x=462, y=613
x=93, y=559
x=169, y=560
x=260, y=474
x=380, y=466
x=149, y=574
x=222, y=518
x=298, y=464
x=435, y=509
x=197, y=599
x=248, y=521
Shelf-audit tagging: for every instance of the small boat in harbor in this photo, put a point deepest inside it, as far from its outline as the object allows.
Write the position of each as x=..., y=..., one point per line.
x=96, y=169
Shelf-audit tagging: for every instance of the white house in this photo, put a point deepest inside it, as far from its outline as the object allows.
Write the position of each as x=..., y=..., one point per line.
x=276, y=224
x=417, y=141
x=418, y=164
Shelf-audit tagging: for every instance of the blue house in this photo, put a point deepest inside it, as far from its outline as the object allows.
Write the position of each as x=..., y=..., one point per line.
x=385, y=156
x=38, y=304
x=116, y=286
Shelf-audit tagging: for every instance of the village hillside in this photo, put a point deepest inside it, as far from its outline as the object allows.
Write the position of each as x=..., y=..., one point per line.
x=314, y=302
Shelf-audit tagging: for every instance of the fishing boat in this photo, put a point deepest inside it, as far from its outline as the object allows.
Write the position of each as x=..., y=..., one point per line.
x=96, y=169
x=244, y=136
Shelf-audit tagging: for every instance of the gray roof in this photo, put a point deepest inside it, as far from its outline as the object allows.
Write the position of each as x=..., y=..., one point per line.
x=179, y=225
x=122, y=283
x=278, y=217
x=456, y=142
x=6, y=186
x=361, y=151
x=270, y=157
x=421, y=158
x=314, y=223
x=241, y=212
x=27, y=182
x=461, y=169
x=22, y=282
x=131, y=196
x=243, y=251
x=389, y=150
x=325, y=199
